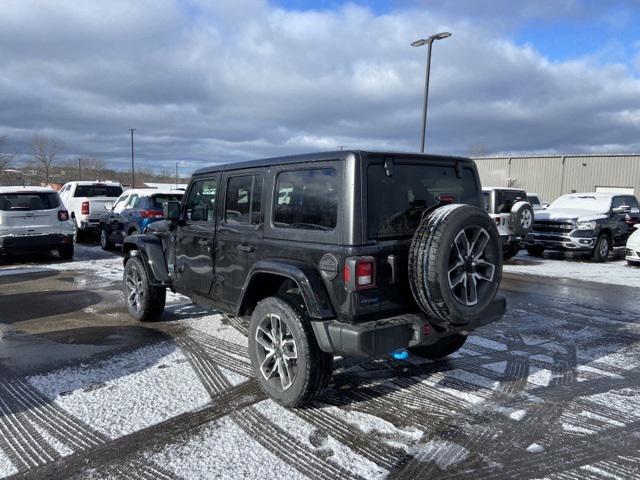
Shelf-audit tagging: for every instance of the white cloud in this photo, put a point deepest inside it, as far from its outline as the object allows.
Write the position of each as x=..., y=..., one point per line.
x=208, y=82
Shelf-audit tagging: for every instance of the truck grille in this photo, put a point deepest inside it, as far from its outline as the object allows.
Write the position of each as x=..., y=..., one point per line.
x=552, y=227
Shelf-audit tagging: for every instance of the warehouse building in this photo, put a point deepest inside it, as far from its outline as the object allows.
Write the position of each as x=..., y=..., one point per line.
x=553, y=175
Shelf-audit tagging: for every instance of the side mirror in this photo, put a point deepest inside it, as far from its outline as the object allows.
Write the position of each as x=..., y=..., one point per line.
x=108, y=207
x=171, y=210
x=622, y=209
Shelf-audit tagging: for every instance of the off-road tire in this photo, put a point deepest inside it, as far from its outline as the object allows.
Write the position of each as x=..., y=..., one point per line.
x=314, y=367
x=105, y=243
x=79, y=235
x=521, y=218
x=442, y=348
x=153, y=298
x=603, y=243
x=65, y=252
x=511, y=251
x=535, y=250
x=432, y=251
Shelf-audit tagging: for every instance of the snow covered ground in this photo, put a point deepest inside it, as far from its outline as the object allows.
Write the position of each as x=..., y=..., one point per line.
x=611, y=272
x=555, y=379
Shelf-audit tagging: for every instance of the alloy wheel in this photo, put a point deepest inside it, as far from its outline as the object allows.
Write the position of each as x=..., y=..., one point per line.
x=277, y=351
x=468, y=269
x=526, y=219
x=604, y=248
x=135, y=289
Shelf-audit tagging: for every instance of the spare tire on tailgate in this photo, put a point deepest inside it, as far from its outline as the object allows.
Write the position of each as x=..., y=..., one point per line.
x=521, y=218
x=455, y=264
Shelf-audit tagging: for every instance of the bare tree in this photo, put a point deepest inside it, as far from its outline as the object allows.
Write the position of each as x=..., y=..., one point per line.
x=5, y=158
x=45, y=151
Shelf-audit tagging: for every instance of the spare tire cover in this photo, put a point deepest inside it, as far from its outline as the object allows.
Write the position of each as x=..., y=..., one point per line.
x=521, y=218
x=455, y=264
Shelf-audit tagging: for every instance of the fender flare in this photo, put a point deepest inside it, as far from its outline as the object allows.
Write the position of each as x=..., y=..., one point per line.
x=152, y=254
x=307, y=277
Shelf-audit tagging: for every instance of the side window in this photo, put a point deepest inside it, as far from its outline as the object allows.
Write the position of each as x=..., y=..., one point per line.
x=617, y=202
x=120, y=204
x=133, y=199
x=306, y=199
x=243, y=202
x=633, y=203
x=201, y=203
x=534, y=201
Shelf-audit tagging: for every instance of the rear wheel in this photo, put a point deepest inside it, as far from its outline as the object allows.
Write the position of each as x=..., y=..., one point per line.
x=80, y=236
x=535, y=250
x=601, y=250
x=510, y=251
x=144, y=301
x=66, y=251
x=442, y=348
x=285, y=356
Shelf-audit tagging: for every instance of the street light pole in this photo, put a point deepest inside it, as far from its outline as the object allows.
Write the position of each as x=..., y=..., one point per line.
x=176, y=174
x=429, y=43
x=133, y=168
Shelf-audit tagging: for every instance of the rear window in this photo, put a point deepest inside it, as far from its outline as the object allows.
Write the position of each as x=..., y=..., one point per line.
x=28, y=201
x=97, y=190
x=306, y=199
x=157, y=200
x=505, y=199
x=395, y=203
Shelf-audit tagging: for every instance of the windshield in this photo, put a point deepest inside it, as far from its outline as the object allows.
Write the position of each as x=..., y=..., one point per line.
x=157, y=200
x=28, y=201
x=97, y=190
x=583, y=202
x=396, y=203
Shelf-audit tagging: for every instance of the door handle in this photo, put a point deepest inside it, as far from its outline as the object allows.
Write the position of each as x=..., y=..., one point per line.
x=246, y=248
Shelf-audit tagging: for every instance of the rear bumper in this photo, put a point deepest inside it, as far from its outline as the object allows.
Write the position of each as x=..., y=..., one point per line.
x=378, y=337
x=92, y=225
x=33, y=243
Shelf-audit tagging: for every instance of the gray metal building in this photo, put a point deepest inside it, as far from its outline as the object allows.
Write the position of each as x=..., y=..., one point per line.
x=553, y=175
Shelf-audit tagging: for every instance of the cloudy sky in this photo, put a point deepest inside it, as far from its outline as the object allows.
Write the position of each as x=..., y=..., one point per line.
x=216, y=81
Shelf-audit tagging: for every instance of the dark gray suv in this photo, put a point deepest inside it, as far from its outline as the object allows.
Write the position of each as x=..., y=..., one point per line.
x=338, y=253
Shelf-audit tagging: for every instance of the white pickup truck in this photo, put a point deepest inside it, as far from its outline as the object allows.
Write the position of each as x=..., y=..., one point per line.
x=86, y=204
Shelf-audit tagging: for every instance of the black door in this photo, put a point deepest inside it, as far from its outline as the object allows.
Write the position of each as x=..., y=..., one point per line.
x=239, y=234
x=195, y=237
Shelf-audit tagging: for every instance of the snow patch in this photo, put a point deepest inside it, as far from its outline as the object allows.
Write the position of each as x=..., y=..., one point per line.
x=443, y=453
x=127, y=392
x=535, y=448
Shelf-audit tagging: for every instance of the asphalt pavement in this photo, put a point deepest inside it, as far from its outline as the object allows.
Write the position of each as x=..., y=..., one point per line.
x=551, y=391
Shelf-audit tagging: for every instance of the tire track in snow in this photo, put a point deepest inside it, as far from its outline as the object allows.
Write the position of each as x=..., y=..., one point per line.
x=154, y=437
x=271, y=436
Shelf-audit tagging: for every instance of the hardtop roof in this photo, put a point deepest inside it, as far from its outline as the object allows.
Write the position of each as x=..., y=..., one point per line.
x=27, y=189
x=317, y=157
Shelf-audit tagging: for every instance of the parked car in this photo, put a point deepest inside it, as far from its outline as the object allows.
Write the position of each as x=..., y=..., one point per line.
x=593, y=223
x=513, y=215
x=85, y=202
x=535, y=202
x=339, y=253
x=132, y=213
x=32, y=219
x=632, y=251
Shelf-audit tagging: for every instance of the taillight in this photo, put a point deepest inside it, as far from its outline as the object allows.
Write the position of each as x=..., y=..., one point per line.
x=498, y=220
x=84, y=210
x=63, y=215
x=359, y=273
x=151, y=214
x=446, y=198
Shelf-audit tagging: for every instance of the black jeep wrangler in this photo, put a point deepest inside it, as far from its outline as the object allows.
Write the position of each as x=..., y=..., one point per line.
x=339, y=253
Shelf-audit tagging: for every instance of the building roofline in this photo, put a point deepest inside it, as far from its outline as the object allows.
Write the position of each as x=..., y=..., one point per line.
x=559, y=155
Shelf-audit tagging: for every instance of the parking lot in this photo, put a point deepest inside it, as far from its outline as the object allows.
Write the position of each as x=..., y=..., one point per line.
x=552, y=390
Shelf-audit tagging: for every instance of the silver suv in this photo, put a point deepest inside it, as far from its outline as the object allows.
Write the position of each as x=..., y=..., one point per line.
x=511, y=211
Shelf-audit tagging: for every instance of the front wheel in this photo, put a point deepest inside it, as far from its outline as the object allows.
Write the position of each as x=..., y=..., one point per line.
x=442, y=348
x=144, y=301
x=601, y=250
x=285, y=356
x=535, y=250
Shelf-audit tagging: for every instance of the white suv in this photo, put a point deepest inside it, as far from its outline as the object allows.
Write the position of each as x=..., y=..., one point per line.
x=32, y=219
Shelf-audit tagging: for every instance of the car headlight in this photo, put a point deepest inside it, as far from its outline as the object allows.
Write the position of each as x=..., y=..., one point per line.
x=587, y=225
